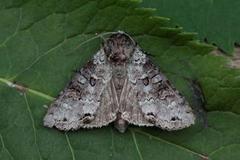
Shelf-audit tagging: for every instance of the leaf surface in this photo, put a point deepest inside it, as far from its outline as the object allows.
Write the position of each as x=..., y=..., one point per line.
x=216, y=21
x=43, y=42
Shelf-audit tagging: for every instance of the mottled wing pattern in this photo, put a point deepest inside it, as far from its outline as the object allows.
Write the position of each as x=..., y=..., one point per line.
x=148, y=99
x=88, y=100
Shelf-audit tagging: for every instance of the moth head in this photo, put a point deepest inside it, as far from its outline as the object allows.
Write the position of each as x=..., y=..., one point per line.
x=119, y=47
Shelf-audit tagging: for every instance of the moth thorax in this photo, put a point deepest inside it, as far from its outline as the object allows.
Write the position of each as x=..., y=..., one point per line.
x=119, y=71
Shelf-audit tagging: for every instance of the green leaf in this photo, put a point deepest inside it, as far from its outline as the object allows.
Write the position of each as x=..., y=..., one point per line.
x=42, y=42
x=215, y=21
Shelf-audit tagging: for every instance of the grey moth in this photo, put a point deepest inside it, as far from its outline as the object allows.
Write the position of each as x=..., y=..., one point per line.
x=119, y=84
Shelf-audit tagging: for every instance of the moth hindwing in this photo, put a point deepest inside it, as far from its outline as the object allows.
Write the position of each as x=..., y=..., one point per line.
x=120, y=84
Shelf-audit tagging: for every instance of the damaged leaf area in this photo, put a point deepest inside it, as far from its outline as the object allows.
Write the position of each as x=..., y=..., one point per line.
x=235, y=63
x=43, y=42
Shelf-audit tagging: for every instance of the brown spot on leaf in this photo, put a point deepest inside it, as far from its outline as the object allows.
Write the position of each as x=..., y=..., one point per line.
x=236, y=57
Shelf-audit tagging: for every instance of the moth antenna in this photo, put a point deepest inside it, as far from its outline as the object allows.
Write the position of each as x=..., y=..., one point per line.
x=122, y=32
x=90, y=39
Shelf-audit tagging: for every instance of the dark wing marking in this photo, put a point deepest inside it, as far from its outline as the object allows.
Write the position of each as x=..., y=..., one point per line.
x=88, y=99
x=148, y=99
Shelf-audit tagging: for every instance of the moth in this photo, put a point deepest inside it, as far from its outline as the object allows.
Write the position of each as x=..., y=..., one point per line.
x=119, y=84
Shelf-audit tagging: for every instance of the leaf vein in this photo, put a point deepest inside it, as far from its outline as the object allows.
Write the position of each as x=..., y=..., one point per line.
x=33, y=125
x=136, y=145
x=39, y=57
x=70, y=147
x=173, y=144
x=222, y=147
x=16, y=30
x=48, y=15
x=112, y=142
x=3, y=145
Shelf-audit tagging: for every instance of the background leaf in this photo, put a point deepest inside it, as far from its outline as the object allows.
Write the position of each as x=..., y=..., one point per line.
x=215, y=21
x=42, y=42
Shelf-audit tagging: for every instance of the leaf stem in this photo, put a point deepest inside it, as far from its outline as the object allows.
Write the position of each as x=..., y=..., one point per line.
x=25, y=89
